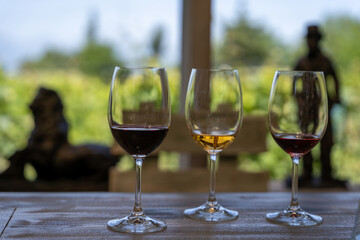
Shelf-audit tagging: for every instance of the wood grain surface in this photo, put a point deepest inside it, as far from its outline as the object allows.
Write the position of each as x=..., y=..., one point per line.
x=84, y=215
x=194, y=180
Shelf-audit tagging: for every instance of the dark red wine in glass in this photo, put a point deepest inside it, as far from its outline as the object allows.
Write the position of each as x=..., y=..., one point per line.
x=296, y=144
x=297, y=119
x=139, y=140
x=139, y=115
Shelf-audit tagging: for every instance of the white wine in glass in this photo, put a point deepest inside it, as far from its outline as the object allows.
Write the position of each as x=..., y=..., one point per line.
x=213, y=112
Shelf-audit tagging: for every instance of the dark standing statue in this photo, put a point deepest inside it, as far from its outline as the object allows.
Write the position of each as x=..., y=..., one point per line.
x=49, y=151
x=315, y=60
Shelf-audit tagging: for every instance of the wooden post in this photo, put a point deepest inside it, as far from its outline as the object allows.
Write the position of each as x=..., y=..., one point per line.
x=195, y=40
x=195, y=54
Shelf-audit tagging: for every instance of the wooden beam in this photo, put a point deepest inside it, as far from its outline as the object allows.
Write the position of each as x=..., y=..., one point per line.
x=195, y=40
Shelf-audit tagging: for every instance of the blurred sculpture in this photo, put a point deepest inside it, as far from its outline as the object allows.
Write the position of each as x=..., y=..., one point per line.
x=315, y=60
x=49, y=151
x=309, y=102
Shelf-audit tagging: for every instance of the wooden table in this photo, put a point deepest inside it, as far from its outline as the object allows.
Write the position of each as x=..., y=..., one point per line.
x=84, y=215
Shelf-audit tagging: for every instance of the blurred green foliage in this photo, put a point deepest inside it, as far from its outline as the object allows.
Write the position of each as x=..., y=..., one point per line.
x=224, y=90
x=247, y=43
x=97, y=60
x=85, y=102
x=85, y=99
x=346, y=123
x=94, y=58
x=136, y=89
x=85, y=95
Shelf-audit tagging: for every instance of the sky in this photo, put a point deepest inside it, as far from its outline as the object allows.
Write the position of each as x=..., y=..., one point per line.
x=28, y=28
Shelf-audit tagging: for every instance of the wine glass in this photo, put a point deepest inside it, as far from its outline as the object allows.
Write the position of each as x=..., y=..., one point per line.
x=213, y=112
x=139, y=118
x=297, y=118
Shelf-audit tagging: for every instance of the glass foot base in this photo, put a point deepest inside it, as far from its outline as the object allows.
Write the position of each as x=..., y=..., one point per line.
x=297, y=217
x=211, y=213
x=136, y=224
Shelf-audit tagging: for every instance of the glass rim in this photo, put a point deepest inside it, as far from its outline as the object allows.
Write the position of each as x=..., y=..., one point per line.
x=215, y=69
x=139, y=68
x=297, y=71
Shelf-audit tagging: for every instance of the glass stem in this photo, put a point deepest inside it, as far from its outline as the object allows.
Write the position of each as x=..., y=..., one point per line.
x=137, y=207
x=294, y=205
x=213, y=158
